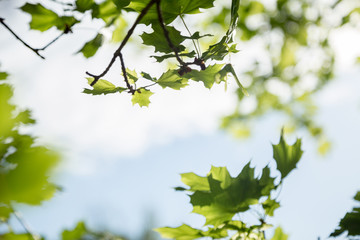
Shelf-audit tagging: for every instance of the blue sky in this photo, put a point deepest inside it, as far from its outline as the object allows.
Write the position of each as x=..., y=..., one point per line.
x=121, y=162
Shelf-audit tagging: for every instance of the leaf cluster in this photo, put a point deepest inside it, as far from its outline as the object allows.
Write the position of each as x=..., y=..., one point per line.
x=220, y=198
x=24, y=165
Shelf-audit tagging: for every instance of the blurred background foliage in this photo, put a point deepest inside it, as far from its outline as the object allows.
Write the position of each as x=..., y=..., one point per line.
x=296, y=61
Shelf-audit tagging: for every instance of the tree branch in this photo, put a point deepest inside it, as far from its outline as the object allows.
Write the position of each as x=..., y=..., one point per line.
x=123, y=43
x=36, y=51
x=166, y=33
x=125, y=75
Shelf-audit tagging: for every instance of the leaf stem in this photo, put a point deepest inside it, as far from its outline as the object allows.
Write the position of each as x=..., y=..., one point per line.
x=196, y=48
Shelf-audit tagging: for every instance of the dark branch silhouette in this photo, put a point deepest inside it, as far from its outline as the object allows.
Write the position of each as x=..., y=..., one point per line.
x=123, y=43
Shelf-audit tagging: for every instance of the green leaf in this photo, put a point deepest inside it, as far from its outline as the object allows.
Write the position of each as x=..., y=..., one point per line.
x=172, y=80
x=84, y=5
x=24, y=117
x=215, y=215
x=76, y=233
x=27, y=180
x=102, y=87
x=279, y=234
x=229, y=69
x=197, y=36
x=5, y=212
x=43, y=18
x=270, y=206
x=3, y=75
x=90, y=48
x=350, y=223
x=184, y=232
x=195, y=182
x=170, y=9
x=286, y=156
x=14, y=236
x=120, y=4
x=158, y=40
x=132, y=76
x=166, y=56
x=147, y=76
x=106, y=11
x=141, y=97
x=207, y=76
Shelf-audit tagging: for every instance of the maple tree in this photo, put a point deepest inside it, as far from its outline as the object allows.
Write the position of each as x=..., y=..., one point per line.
x=286, y=30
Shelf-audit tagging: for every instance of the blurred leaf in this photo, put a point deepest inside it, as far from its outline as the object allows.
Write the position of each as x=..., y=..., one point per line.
x=106, y=10
x=15, y=236
x=102, y=87
x=90, y=48
x=287, y=156
x=279, y=234
x=84, y=5
x=120, y=4
x=75, y=234
x=170, y=9
x=43, y=18
x=324, y=147
x=5, y=212
x=184, y=232
x=270, y=206
x=3, y=75
x=172, y=80
x=141, y=97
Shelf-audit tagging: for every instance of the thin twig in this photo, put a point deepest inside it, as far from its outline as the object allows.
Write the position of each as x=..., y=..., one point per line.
x=118, y=51
x=24, y=224
x=2, y=21
x=125, y=75
x=196, y=49
x=51, y=42
x=166, y=34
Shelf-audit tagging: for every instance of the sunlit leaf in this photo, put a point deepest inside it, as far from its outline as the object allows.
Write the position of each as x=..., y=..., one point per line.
x=43, y=19
x=103, y=87
x=207, y=76
x=158, y=40
x=184, y=232
x=90, y=48
x=279, y=234
x=84, y=5
x=286, y=156
x=3, y=75
x=141, y=97
x=172, y=80
x=75, y=233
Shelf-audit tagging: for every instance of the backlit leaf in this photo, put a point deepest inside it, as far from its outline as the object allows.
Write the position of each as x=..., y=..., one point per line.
x=90, y=48
x=158, y=40
x=279, y=234
x=287, y=156
x=184, y=232
x=207, y=76
x=102, y=87
x=141, y=97
x=172, y=80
